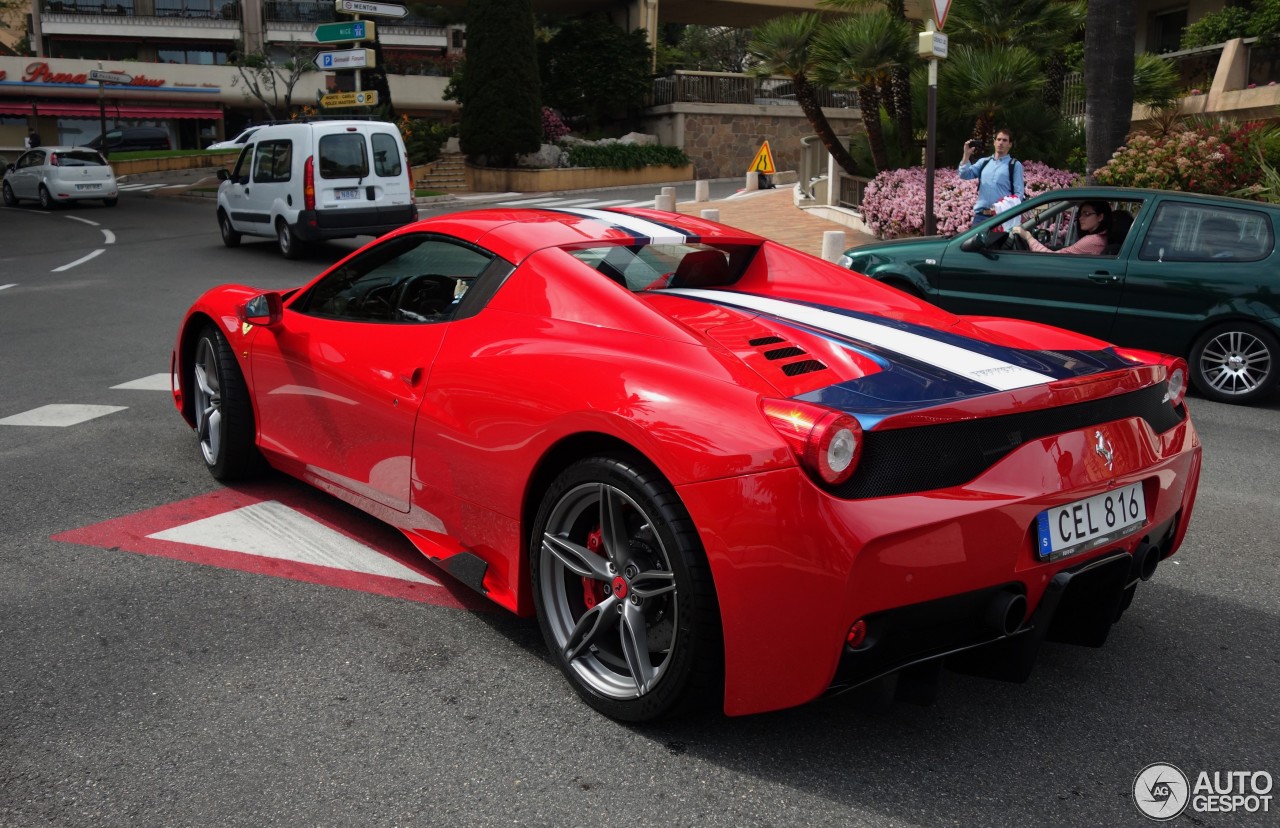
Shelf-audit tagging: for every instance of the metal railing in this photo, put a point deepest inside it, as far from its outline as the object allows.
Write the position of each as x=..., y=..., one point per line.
x=1196, y=67
x=71, y=10
x=814, y=182
x=1263, y=62
x=304, y=11
x=685, y=86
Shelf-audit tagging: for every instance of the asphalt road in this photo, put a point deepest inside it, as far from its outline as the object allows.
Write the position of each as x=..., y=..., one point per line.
x=142, y=690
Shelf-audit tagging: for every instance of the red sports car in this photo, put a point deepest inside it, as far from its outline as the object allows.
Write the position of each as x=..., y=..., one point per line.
x=717, y=469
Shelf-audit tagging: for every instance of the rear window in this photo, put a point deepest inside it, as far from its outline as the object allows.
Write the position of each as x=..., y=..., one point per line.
x=657, y=266
x=345, y=155
x=386, y=155
x=78, y=158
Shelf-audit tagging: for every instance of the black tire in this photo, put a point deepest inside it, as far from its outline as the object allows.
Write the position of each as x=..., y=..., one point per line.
x=10, y=200
x=1235, y=363
x=46, y=200
x=636, y=630
x=221, y=408
x=110, y=202
x=291, y=247
x=230, y=237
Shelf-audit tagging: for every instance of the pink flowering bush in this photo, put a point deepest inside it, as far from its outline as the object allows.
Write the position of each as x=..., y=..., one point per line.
x=553, y=129
x=893, y=204
x=1206, y=158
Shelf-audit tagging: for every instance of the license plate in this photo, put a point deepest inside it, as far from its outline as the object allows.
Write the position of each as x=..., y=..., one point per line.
x=347, y=194
x=88, y=186
x=1089, y=523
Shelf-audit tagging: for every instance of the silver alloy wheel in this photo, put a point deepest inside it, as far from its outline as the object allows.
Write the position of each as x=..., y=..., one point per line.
x=46, y=200
x=609, y=591
x=1235, y=363
x=284, y=236
x=10, y=199
x=207, y=401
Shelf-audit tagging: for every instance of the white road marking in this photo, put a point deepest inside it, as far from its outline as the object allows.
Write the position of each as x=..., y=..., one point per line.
x=272, y=530
x=2, y=287
x=60, y=415
x=529, y=201
x=142, y=187
x=155, y=382
x=486, y=196
x=648, y=203
x=83, y=220
x=111, y=237
x=79, y=261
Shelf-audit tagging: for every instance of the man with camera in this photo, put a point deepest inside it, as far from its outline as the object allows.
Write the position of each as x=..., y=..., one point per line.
x=999, y=175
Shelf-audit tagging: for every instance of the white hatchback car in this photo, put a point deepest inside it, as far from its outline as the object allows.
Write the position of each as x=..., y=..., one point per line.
x=236, y=142
x=58, y=175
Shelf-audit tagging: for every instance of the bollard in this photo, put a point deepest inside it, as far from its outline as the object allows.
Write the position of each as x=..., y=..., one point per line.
x=832, y=244
x=711, y=215
x=665, y=202
x=753, y=181
x=702, y=191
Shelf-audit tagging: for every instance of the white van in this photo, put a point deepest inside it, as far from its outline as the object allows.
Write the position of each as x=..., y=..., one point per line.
x=310, y=180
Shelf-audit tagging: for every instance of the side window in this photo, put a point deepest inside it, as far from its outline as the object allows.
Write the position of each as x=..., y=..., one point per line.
x=344, y=155
x=1182, y=232
x=386, y=155
x=273, y=161
x=241, y=172
x=31, y=159
x=412, y=279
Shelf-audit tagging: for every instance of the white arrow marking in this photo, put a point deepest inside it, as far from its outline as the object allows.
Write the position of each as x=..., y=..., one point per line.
x=272, y=530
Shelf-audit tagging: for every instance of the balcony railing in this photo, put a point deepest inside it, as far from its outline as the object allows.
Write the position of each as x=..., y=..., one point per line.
x=301, y=11
x=727, y=88
x=183, y=9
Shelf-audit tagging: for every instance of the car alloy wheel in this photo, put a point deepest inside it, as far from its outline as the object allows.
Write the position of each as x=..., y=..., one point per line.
x=46, y=200
x=290, y=246
x=10, y=199
x=623, y=592
x=222, y=413
x=1235, y=363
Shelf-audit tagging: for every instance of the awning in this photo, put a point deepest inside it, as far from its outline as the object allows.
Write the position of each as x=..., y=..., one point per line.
x=87, y=110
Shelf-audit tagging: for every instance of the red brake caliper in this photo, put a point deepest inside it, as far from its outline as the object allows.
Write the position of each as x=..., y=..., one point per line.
x=594, y=591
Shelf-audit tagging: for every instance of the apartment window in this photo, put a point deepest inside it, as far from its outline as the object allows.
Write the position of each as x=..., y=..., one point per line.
x=199, y=57
x=1164, y=34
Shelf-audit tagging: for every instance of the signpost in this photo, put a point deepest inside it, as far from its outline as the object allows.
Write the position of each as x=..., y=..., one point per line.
x=336, y=99
x=345, y=59
x=353, y=31
x=103, y=77
x=932, y=47
x=374, y=9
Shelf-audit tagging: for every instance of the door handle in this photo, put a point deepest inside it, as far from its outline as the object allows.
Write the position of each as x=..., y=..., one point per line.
x=1102, y=277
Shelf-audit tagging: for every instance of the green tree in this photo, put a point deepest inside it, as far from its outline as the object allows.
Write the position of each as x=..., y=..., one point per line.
x=501, y=114
x=784, y=46
x=1046, y=27
x=1109, y=42
x=594, y=73
x=712, y=49
x=862, y=52
x=269, y=78
x=990, y=88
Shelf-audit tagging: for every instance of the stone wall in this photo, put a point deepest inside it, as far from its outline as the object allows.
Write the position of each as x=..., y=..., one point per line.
x=722, y=140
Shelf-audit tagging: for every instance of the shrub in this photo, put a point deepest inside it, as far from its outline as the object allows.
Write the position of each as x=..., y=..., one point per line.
x=1214, y=158
x=893, y=204
x=423, y=139
x=553, y=128
x=626, y=156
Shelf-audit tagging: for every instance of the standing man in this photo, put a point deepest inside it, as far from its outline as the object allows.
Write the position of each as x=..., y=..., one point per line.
x=33, y=138
x=999, y=175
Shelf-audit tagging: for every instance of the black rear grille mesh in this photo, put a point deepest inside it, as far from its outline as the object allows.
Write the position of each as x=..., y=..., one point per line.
x=783, y=353
x=950, y=454
x=804, y=366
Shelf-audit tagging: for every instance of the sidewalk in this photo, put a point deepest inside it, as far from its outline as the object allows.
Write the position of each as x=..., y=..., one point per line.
x=773, y=214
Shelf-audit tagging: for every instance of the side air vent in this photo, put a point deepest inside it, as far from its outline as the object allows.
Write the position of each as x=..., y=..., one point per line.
x=765, y=340
x=783, y=353
x=804, y=366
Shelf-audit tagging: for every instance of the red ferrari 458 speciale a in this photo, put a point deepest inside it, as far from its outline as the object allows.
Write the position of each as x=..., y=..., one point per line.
x=717, y=469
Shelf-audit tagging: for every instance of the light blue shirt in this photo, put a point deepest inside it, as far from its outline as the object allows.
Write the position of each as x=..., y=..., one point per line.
x=993, y=180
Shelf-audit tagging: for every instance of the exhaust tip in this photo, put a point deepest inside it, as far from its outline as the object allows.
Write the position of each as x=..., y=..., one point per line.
x=1006, y=612
x=1146, y=560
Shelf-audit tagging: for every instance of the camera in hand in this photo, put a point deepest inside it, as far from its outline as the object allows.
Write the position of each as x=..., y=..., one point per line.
x=974, y=144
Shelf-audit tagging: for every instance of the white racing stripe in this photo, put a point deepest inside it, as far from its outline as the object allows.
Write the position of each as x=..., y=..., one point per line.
x=989, y=371
x=656, y=232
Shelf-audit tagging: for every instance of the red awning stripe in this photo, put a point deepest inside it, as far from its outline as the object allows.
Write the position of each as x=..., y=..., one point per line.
x=91, y=111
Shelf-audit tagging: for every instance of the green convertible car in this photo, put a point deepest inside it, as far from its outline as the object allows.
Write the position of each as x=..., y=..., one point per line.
x=1192, y=275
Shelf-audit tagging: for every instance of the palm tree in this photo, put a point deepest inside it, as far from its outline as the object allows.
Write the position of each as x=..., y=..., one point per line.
x=784, y=46
x=862, y=53
x=996, y=84
x=1110, y=36
x=1045, y=26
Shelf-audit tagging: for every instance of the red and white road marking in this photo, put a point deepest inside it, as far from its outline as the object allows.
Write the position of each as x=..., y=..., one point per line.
x=283, y=530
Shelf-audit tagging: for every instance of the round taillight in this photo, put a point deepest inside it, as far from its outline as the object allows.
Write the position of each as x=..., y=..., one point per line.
x=1177, y=383
x=826, y=442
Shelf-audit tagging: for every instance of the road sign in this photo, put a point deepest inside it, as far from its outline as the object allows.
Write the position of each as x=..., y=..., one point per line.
x=336, y=99
x=763, y=162
x=940, y=9
x=350, y=30
x=346, y=59
x=375, y=9
x=109, y=77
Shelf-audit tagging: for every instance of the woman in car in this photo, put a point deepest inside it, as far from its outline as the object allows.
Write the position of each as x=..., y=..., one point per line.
x=1093, y=224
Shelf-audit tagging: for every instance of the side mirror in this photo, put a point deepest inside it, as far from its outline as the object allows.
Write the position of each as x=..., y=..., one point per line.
x=973, y=244
x=265, y=309
x=224, y=174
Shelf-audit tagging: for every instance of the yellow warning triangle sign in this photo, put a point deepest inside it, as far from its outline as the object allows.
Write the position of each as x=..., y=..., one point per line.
x=763, y=162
